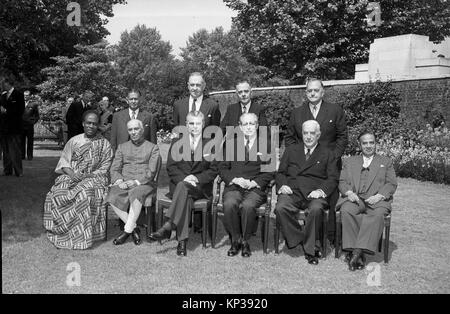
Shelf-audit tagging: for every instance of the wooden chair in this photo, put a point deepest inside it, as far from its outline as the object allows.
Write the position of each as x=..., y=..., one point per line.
x=199, y=205
x=301, y=216
x=147, y=218
x=262, y=212
x=387, y=231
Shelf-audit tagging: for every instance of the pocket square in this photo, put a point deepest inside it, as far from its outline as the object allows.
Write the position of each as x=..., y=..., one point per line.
x=209, y=116
x=381, y=166
x=259, y=154
x=146, y=125
x=331, y=121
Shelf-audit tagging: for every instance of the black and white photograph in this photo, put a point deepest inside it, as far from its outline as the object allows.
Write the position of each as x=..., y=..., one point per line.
x=225, y=152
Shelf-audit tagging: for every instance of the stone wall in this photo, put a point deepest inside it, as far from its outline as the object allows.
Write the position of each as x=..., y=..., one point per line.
x=419, y=98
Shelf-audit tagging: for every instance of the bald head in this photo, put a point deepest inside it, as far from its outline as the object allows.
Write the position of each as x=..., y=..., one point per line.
x=135, y=130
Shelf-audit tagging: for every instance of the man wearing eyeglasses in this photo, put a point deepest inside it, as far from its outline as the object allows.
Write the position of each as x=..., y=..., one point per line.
x=333, y=126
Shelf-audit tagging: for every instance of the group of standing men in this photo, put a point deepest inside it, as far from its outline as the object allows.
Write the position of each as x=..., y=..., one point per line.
x=18, y=114
x=307, y=177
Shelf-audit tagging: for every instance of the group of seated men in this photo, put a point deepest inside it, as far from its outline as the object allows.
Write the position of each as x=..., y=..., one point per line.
x=307, y=177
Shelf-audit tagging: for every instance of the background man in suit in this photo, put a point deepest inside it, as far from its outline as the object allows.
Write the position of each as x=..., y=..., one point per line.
x=245, y=105
x=119, y=133
x=306, y=177
x=132, y=172
x=74, y=115
x=190, y=180
x=333, y=126
x=65, y=130
x=12, y=105
x=197, y=101
x=245, y=187
x=368, y=183
x=29, y=118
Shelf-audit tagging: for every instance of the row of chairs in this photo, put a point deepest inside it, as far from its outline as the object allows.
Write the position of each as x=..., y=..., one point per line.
x=265, y=214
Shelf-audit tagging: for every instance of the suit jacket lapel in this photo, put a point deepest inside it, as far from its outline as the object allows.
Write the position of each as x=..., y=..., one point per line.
x=373, y=169
x=312, y=159
x=322, y=114
x=356, y=172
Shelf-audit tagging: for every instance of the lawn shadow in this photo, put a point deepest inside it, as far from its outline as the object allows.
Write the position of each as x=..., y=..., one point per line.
x=379, y=256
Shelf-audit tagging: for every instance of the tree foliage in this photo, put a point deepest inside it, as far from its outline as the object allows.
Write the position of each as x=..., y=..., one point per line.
x=144, y=62
x=33, y=31
x=218, y=54
x=326, y=38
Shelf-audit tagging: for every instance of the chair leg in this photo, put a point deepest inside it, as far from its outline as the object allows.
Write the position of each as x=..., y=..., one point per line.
x=214, y=226
x=325, y=233
x=276, y=239
x=266, y=233
x=337, y=248
x=160, y=210
x=386, y=244
x=150, y=211
x=106, y=224
x=204, y=225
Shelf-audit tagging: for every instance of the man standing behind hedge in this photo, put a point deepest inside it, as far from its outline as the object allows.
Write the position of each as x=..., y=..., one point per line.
x=333, y=126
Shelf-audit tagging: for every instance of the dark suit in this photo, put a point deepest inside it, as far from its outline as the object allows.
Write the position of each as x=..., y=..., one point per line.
x=182, y=193
x=74, y=119
x=362, y=224
x=333, y=128
x=240, y=204
x=119, y=131
x=234, y=112
x=12, y=131
x=29, y=118
x=304, y=176
x=209, y=108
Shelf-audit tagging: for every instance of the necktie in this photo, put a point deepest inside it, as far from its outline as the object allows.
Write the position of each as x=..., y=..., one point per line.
x=194, y=107
x=314, y=111
x=244, y=109
x=192, y=145
x=308, y=154
x=133, y=115
x=247, y=148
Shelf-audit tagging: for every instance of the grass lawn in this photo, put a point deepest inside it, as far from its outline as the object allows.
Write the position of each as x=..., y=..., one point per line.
x=419, y=251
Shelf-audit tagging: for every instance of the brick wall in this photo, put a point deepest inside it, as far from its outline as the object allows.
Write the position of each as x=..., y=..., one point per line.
x=417, y=96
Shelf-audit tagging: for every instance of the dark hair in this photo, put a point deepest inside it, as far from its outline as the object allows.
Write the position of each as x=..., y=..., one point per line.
x=313, y=79
x=89, y=112
x=134, y=90
x=366, y=132
x=242, y=80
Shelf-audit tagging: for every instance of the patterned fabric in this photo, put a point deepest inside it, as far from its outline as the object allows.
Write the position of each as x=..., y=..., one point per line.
x=74, y=211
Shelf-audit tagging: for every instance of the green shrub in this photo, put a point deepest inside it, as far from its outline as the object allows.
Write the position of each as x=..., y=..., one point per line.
x=163, y=114
x=374, y=105
x=278, y=110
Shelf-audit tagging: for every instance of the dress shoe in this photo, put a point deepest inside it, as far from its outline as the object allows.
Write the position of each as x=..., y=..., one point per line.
x=361, y=262
x=235, y=248
x=313, y=260
x=136, y=235
x=160, y=234
x=122, y=238
x=246, y=252
x=181, y=248
x=30, y=158
x=353, y=263
x=318, y=254
x=348, y=257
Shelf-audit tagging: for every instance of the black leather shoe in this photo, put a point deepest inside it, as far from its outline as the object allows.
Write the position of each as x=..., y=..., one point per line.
x=318, y=254
x=160, y=234
x=181, y=248
x=361, y=262
x=246, y=252
x=122, y=238
x=348, y=257
x=136, y=234
x=313, y=260
x=354, y=261
x=235, y=248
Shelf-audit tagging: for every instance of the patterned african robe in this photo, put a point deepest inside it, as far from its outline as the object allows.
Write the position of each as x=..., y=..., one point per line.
x=74, y=211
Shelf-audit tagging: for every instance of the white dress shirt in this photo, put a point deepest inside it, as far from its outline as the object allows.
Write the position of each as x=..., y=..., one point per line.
x=131, y=113
x=315, y=112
